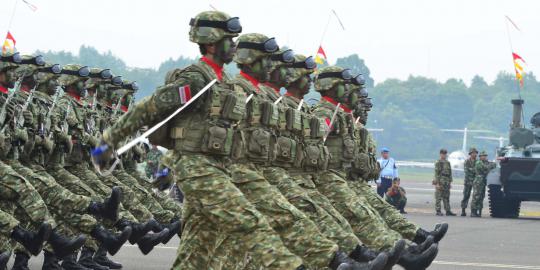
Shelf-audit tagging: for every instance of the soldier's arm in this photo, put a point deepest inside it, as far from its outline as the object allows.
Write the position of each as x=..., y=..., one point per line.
x=149, y=111
x=437, y=176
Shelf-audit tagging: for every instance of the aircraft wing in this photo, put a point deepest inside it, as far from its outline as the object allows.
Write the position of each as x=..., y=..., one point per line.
x=417, y=164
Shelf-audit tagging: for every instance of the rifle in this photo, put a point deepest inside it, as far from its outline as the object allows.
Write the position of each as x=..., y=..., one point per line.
x=20, y=117
x=47, y=118
x=3, y=111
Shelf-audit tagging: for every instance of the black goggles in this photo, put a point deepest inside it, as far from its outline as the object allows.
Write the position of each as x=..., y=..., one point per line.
x=131, y=86
x=14, y=58
x=285, y=57
x=309, y=63
x=269, y=46
x=116, y=80
x=36, y=60
x=345, y=75
x=358, y=80
x=363, y=92
x=231, y=25
x=104, y=74
x=82, y=72
x=54, y=69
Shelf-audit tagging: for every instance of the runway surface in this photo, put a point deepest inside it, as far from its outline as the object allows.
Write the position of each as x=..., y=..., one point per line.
x=471, y=243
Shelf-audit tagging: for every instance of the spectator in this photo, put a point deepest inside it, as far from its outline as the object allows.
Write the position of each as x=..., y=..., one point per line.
x=396, y=196
x=389, y=171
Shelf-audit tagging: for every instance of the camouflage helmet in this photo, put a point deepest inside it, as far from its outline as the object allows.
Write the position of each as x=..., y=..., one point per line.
x=73, y=73
x=98, y=76
x=252, y=47
x=483, y=153
x=29, y=64
x=473, y=150
x=302, y=66
x=330, y=76
x=10, y=61
x=212, y=26
x=47, y=73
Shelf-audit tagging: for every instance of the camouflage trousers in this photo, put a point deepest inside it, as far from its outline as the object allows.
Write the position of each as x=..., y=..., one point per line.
x=145, y=197
x=479, y=192
x=399, y=204
x=16, y=190
x=216, y=212
x=299, y=234
x=326, y=221
x=367, y=224
x=166, y=202
x=467, y=188
x=389, y=214
x=442, y=194
x=86, y=175
x=7, y=224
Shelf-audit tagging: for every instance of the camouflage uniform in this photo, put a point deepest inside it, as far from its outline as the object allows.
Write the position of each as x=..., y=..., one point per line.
x=369, y=227
x=481, y=169
x=398, y=200
x=152, y=162
x=213, y=206
x=470, y=175
x=442, y=181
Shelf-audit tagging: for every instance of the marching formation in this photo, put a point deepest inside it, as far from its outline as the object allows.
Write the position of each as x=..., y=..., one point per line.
x=269, y=182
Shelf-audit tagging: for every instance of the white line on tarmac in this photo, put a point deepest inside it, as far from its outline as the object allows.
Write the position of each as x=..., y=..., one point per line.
x=433, y=189
x=488, y=265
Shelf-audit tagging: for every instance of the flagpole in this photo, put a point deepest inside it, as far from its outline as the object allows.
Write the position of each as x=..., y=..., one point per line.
x=12, y=14
x=325, y=29
x=512, y=53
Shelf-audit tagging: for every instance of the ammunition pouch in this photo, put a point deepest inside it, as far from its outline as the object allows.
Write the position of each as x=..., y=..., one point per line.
x=286, y=149
x=260, y=145
x=269, y=114
x=293, y=120
x=217, y=140
x=316, y=157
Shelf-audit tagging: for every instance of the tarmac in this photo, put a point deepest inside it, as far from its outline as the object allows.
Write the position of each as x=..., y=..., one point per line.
x=471, y=243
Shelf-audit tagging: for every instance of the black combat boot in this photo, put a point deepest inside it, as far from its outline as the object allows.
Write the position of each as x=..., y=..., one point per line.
x=102, y=259
x=63, y=246
x=419, y=248
x=111, y=242
x=342, y=262
x=109, y=208
x=174, y=229
x=50, y=261
x=411, y=261
x=4, y=258
x=463, y=212
x=138, y=230
x=438, y=233
x=33, y=242
x=450, y=213
x=150, y=240
x=21, y=261
x=474, y=213
x=439, y=213
x=363, y=254
x=69, y=262
x=87, y=260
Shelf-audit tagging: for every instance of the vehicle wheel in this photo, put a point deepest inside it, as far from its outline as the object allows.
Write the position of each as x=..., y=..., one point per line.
x=497, y=206
x=513, y=207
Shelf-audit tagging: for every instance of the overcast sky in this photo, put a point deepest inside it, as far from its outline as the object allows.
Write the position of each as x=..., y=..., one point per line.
x=439, y=39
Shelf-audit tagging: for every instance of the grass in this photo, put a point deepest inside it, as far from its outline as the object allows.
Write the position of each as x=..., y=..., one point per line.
x=423, y=175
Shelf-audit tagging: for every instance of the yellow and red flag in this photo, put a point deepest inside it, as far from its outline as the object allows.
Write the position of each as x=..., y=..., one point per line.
x=518, y=67
x=320, y=58
x=9, y=44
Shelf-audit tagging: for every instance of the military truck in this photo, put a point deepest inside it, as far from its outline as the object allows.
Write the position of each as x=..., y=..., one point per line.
x=517, y=177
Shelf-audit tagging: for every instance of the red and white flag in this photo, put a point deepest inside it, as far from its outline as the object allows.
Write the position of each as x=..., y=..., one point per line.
x=185, y=94
x=9, y=44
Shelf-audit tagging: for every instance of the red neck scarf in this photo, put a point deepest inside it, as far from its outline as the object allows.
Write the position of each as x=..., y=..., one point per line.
x=75, y=96
x=331, y=100
x=217, y=68
x=3, y=89
x=252, y=80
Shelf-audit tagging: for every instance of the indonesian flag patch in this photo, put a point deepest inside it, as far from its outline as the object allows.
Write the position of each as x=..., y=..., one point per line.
x=185, y=94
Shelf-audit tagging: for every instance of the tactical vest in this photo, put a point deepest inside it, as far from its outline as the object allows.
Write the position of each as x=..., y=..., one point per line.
x=364, y=163
x=209, y=127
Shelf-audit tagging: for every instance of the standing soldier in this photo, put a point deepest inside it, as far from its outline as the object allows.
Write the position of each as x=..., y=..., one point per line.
x=152, y=161
x=443, y=183
x=469, y=179
x=481, y=169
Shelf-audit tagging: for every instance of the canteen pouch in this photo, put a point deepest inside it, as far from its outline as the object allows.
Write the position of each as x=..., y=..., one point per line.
x=233, y=107
x=316, y=157
x=348, y=148
x=217, y=140
x=361, y=164
x=259, y=144
x=294, y=120
x=285, y=149
x=269, y=114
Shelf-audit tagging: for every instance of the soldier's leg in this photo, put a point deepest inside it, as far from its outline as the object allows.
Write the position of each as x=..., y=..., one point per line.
x=390, y=215
x=299, y=234
x=438, y=199
x=129, y=198
x=299, y=197
x=145, y=197
x=367, y=224
x=467, y=187
x=446, y=197
x=166, y=202
x=214, y=205
x=7, y=223
x=72, y=182
x=482, y=196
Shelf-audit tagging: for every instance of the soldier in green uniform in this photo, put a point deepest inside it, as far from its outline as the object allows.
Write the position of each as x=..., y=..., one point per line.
x=199, y=140
x=339, y=138
x=481, y=170
x=152, y=161
x=396, y=196
x=470, y=175
x=443, y=183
